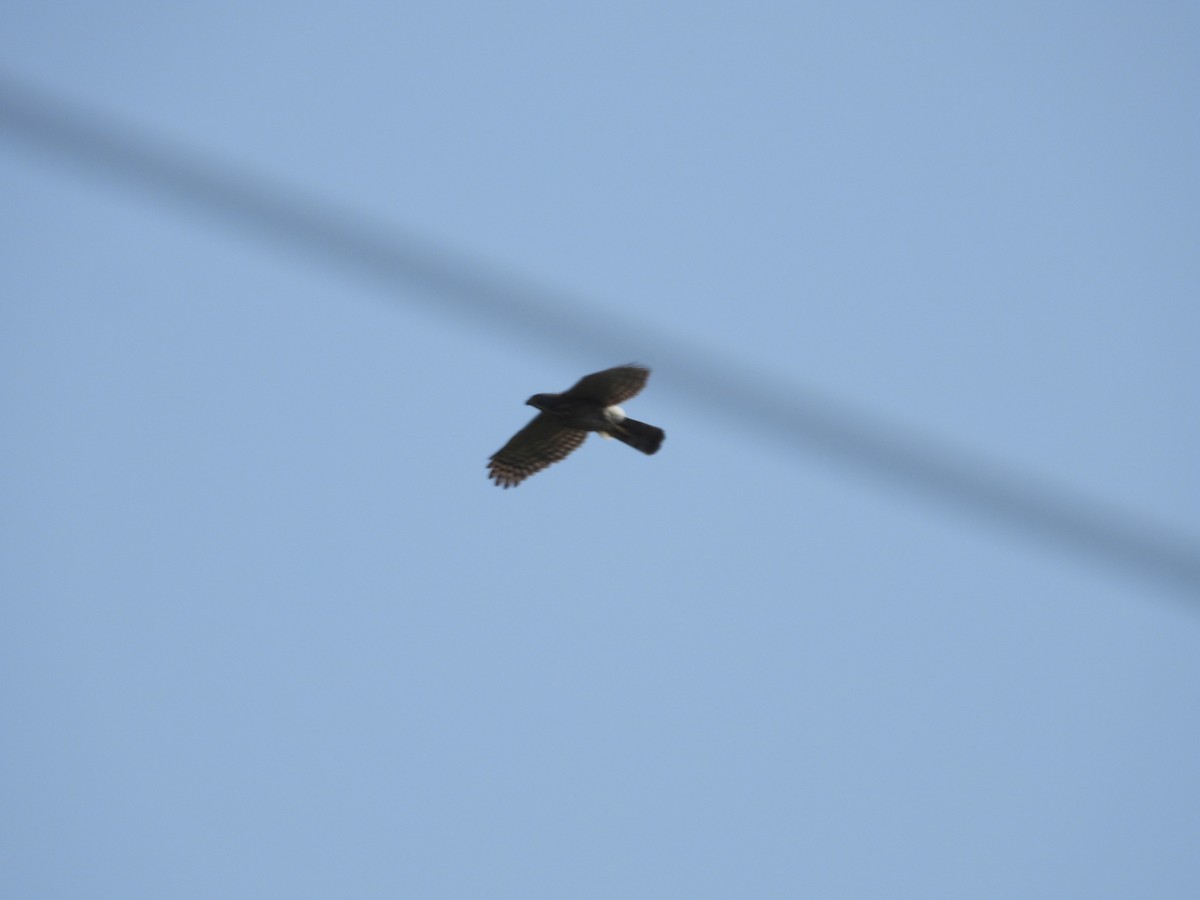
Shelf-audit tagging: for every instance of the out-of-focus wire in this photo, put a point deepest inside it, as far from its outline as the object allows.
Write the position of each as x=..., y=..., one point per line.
x=799, y=419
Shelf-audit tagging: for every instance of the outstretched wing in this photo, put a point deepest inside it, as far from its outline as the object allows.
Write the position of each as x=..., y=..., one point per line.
x=542, y=442
x=612, y=386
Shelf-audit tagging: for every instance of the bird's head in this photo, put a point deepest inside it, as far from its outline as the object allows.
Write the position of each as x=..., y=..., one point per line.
x=541, y=401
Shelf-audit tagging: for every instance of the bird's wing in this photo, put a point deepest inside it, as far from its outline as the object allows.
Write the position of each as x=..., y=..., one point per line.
x=542, y=442
x=612, y=386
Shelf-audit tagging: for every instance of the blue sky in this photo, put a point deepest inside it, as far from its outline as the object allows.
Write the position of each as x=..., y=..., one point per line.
x=268, y=630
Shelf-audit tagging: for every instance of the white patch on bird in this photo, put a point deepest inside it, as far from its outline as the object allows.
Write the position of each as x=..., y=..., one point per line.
x=613, y=414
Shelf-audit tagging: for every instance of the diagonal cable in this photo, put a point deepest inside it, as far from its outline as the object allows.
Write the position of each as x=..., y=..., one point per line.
x=801, y=420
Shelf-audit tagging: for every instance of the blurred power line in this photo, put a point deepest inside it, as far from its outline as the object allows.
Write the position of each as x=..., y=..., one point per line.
x=459, y=285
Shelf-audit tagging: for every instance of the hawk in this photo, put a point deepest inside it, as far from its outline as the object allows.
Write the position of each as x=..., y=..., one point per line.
x=565, y=419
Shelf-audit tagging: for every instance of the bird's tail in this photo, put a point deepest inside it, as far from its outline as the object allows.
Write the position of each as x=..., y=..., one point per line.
x=638, y=435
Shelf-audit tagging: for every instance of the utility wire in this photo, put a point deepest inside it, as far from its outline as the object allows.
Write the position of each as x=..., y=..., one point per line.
x=403, y=263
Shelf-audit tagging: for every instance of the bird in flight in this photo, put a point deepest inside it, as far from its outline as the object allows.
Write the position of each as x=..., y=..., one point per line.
x=565, y=419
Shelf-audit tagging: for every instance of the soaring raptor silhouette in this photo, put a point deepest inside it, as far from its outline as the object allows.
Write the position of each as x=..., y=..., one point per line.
x=566, y=418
